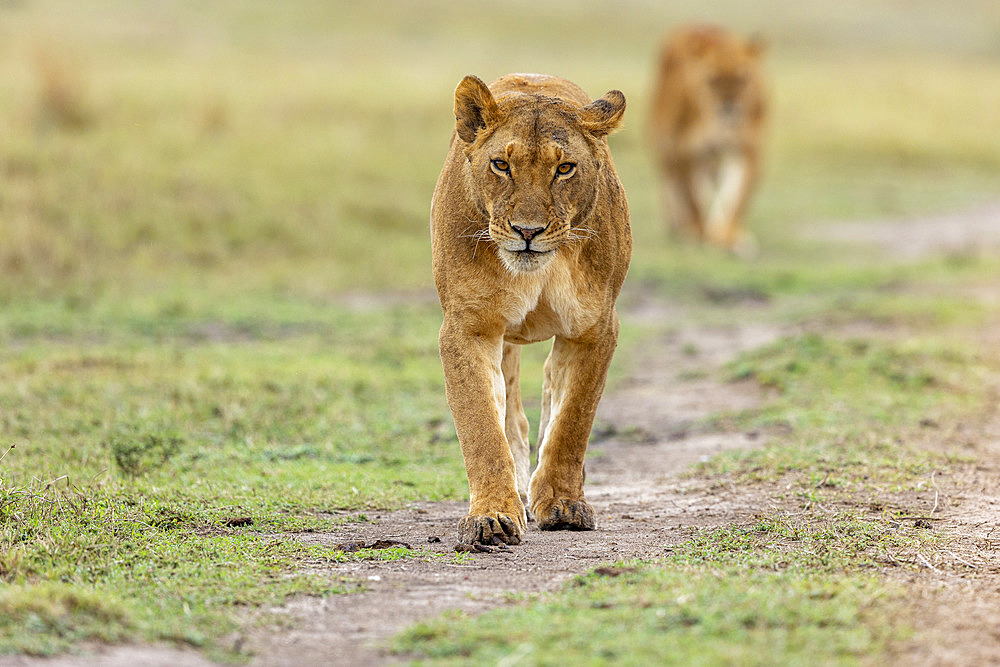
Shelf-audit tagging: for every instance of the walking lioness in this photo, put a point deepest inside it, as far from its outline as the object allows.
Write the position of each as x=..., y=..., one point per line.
x=709, y=106
x=530, y=241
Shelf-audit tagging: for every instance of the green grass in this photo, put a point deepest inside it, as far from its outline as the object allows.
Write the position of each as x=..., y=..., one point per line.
x=849, y=413
x=197, y=204
x=775, y=591
x=112, y=564
x=50, y=617
x=318, y=417
x=139, y=441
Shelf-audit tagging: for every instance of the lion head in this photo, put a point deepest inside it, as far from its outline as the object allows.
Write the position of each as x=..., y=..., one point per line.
x=722, y=75
x=533, y=163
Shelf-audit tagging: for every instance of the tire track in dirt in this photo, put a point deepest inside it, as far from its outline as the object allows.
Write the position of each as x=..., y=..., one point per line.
x=954, y=592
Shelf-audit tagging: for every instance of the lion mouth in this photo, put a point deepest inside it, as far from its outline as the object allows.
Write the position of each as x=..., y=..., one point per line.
x=526, y=260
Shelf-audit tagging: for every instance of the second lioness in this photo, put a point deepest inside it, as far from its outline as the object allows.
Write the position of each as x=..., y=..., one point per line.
x=530, y=241
x=706, y=127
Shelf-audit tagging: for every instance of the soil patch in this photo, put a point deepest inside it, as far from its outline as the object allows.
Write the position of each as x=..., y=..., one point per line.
x=971, y=231
x=955, y=596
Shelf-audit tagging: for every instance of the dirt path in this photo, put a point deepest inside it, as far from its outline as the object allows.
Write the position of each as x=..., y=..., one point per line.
x=954, y=595
x=971, y=231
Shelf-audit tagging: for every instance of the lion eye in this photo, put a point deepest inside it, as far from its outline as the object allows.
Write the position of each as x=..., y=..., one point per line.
x=565, y=168
x=501, y=165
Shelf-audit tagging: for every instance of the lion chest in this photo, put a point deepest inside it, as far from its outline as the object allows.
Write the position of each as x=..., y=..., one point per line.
x=556, y=307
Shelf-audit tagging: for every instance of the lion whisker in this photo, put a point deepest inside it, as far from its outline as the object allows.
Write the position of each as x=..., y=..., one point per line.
x=479, y=235
x=580, y=234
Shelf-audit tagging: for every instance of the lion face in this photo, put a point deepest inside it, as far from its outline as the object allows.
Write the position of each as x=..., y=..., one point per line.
x=532, y=163
x=725, y=72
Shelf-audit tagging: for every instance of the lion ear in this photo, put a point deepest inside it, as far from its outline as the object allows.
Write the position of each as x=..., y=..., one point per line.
x=475, y=108
x=603, y=116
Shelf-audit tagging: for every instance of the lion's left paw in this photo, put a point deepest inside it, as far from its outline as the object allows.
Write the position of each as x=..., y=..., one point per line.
x=494, y=529
x=564, y=514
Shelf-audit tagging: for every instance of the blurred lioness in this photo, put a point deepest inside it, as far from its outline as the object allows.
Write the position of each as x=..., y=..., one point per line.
x=709, y=107
x=530, y=241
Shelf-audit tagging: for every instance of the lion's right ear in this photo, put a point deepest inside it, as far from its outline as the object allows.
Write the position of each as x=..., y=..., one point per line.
x=475, y=108
x=604, y=115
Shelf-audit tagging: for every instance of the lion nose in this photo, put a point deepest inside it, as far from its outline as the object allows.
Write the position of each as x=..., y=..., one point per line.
x=527, y=233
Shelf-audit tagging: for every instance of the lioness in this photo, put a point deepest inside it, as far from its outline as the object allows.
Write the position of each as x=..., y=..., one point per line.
x=530, y=241
x=709, y=105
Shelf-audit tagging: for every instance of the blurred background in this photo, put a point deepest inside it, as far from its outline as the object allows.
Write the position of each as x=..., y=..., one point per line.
x=175, y=154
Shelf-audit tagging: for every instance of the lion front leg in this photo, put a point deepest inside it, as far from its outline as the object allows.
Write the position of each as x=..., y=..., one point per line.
x=575, y=373
x=516, y=423
x=726, y=199
x=477, y=396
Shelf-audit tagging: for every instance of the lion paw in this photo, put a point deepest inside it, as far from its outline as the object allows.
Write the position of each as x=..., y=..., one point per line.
x=495, y=528
x=565, y=514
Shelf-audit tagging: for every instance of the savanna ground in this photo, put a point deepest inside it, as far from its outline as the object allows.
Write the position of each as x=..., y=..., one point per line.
x=218, y=345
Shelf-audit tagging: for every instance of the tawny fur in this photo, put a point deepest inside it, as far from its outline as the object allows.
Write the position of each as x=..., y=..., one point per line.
x=707, y=121
x=495, y=298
